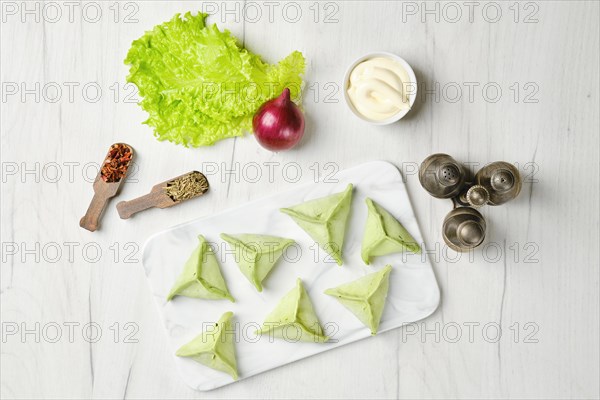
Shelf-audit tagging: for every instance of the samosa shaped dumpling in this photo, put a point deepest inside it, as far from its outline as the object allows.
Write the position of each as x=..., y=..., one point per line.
x=201, y=276
x=324, y=219
x=384, y=234
x=365, y=297
x=294, y=318
x=214, y=348
x=256, y=254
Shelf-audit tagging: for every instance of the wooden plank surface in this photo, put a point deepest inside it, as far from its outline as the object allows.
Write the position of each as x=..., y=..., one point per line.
x=503, y=81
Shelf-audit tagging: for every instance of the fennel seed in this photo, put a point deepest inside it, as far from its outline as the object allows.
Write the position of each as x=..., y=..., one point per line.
x=187, y=187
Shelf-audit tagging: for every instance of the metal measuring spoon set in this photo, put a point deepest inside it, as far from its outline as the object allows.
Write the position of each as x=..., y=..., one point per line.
x=495, y=184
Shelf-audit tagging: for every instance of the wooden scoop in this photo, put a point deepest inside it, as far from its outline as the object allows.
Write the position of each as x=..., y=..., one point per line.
x=103, y=191
x=159, y=196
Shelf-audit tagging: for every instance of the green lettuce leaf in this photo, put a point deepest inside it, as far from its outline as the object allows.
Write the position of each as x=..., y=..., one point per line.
x=199, y=85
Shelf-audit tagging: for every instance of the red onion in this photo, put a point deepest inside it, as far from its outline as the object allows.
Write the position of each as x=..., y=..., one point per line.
x=279, y=123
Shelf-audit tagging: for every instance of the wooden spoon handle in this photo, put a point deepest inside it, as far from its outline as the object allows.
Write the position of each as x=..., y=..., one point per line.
x=94, y=211
x=127, y=208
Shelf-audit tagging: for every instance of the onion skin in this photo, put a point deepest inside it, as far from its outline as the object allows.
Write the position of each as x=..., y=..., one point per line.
x=279, y=123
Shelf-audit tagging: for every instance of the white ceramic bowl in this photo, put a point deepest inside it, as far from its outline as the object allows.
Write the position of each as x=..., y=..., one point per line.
x=411, y=97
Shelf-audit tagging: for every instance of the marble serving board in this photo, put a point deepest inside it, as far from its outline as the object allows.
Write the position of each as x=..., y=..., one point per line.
x=413, y=292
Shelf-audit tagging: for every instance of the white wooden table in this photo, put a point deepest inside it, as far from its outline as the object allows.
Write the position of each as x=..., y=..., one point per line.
x=78, y=320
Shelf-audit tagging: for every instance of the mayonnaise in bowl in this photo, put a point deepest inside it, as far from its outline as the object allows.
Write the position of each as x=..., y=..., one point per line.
x=380, y=88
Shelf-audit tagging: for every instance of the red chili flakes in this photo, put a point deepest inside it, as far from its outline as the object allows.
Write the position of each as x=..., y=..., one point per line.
x=116, y=163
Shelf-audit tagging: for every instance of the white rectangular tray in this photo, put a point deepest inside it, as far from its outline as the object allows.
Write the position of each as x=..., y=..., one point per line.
x=413, y=292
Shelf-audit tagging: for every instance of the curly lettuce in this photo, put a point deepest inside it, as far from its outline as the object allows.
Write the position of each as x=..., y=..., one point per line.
x=198, y=85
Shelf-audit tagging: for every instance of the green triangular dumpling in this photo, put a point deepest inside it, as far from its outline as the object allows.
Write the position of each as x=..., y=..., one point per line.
x=201, y=276
x=294, y=318
x=384, y=234
x=324, y=219
x=256, y=254
x=214, y=348
x=365, y=297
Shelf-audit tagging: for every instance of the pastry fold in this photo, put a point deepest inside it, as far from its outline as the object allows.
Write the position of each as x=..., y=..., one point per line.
x=294, y=318
x=214, y=348
x=256, y=255
x=324, y=219
x=384, y=234
x=201, y=276
x=365, y=297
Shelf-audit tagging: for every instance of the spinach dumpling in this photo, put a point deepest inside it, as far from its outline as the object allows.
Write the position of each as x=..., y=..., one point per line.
x=365, y=297
x=256, y=255
x=294, y=318
x=201, y=276
x=384, y=234
x=214, y=348
x=324, y=219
